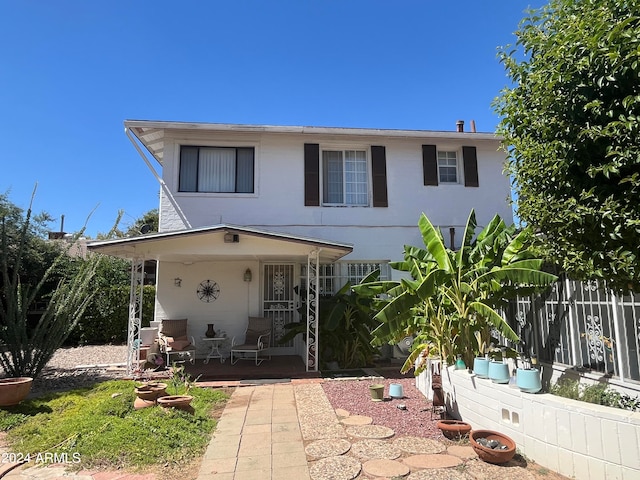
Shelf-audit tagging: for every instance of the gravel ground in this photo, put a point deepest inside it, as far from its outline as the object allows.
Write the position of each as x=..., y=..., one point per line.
x=414, y=419
x=97, y=362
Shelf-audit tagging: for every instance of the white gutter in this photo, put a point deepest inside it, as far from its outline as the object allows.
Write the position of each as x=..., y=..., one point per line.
x=162, y=183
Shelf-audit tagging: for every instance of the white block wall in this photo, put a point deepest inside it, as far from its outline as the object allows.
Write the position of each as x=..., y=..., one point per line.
x=577, y=439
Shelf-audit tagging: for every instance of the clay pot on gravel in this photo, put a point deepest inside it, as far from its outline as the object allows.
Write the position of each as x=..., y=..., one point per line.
x=14, y=390
x=454, y=429
x=492, y=447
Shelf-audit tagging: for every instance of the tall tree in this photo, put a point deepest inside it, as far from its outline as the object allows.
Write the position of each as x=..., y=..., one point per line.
x=571, y=122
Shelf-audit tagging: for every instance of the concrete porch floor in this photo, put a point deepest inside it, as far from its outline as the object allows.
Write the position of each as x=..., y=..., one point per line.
x=279, y=367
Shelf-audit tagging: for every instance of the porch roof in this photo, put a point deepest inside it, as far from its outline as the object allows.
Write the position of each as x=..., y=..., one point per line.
x=221, y=243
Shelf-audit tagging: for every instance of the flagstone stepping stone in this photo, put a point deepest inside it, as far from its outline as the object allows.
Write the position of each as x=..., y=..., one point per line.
x=479, y=470
x=418, y=445
x=383, y=468
x=370, y=431
x=342, y=413
x=335, y=468
x=432, y=461
x=445, y=474
x=357, y=420
x=329, y=447
x=371, y=448
x=465, y=452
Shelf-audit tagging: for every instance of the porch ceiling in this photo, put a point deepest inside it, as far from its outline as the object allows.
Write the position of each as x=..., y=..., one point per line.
x=217, y=243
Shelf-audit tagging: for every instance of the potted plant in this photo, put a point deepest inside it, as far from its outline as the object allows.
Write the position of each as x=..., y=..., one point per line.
x=450, y=303
x=26, y=345
x=182, y=383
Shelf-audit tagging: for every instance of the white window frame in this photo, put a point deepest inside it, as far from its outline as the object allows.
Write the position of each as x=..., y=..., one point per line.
x=446, y=153
x=367, y=175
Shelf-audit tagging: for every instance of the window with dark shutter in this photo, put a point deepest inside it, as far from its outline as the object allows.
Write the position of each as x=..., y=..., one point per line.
x=429, y=165
x=379, y=174
x=470, y=159
x=311, y=174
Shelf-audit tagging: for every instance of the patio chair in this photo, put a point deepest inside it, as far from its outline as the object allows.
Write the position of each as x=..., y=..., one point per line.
x=174, y=341
x=257, y=341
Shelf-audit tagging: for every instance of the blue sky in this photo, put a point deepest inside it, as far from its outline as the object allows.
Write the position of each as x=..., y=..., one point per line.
x=72, y=71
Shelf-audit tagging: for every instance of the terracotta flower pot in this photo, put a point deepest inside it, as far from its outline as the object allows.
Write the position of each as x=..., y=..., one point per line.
x=150, y=392
x=492, y=455
x=14, y=390
x=182, y=402
x=454, y=429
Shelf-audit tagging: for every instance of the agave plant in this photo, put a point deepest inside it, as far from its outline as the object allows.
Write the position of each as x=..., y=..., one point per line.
x=26, y=346
x=452, y=299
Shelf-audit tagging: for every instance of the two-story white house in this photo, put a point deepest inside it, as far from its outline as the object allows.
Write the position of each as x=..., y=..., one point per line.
x=250, y=212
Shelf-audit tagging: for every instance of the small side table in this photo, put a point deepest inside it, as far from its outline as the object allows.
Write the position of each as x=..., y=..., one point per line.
x=214, y=344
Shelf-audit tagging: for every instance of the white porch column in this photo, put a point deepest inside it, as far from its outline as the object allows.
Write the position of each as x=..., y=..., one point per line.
x=135, y=314
x=313, y=310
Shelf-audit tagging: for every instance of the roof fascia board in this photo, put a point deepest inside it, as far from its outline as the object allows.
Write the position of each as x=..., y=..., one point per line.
x=310, y=130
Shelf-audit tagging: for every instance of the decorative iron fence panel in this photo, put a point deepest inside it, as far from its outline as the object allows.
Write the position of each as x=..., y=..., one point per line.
x=581, y=324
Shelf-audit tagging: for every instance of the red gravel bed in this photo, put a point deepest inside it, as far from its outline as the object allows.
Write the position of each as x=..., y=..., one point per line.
x=354, y=397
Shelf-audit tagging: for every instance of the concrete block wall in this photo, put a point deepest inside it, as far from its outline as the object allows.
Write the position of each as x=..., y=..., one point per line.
x=577, y=439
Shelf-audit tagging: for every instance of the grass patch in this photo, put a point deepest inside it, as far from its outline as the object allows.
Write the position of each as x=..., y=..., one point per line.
x=99, y=426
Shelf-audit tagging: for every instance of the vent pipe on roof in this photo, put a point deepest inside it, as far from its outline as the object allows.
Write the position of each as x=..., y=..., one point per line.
x=473, y=126
x=460, y=126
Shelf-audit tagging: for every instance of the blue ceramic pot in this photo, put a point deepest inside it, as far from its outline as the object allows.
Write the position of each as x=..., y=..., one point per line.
x=395, y=390
x=481, y=367
x=499, y=372
x=528, y=380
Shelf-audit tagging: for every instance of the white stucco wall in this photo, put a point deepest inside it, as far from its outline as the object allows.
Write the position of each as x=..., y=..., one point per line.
x=229, y=312
x=376, y=233
x=577, y=439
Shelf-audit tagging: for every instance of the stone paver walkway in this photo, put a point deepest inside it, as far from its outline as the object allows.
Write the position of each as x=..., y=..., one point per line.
x=289, y=431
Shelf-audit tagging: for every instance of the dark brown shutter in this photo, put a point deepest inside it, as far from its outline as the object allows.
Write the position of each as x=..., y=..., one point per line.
x=470, y=159
x=429, y=165
x=379, y=174
x=311, y=174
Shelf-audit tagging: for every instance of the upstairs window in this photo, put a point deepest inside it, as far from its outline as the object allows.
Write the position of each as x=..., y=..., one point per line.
x=344, y=174
x=447, y=167
x=216, y=169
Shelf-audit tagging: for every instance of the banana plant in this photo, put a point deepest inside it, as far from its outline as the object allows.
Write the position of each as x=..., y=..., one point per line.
x=451, y=300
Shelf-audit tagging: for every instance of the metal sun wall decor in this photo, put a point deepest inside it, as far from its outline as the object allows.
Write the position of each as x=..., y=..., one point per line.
x=208, y=291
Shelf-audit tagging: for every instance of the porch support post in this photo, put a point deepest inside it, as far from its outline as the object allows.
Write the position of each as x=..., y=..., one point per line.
x=313, y=310
x=135, y=315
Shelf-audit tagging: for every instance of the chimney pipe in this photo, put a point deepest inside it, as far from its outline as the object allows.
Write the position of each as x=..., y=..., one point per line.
x=473, y=126
x=62, y=223
x=460, y=126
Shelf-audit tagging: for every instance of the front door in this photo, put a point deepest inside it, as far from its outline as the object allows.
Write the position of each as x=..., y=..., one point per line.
x=278, y=303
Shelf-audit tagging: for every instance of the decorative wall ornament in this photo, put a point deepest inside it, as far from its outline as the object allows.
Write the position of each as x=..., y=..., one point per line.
x=208, y=291
x=595, y=343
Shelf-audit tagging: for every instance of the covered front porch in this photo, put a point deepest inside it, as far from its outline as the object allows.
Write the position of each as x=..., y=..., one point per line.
x=222, y=275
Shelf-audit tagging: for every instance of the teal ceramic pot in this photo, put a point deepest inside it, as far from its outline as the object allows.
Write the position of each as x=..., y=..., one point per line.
x=528, y=380
x=498, y=372
x=396, y=391
x=481, y=367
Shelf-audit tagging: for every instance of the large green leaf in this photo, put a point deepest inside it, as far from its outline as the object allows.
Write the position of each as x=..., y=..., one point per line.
x=462, y=257
x=433, y=241
x=495, y=319
x=523, y=276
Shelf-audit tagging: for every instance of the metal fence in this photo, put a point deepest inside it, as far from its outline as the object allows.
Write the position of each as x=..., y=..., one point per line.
x=582, y=325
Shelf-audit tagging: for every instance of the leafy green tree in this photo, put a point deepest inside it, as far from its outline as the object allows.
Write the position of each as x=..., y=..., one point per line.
x=571, y=122
x=451, y=301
